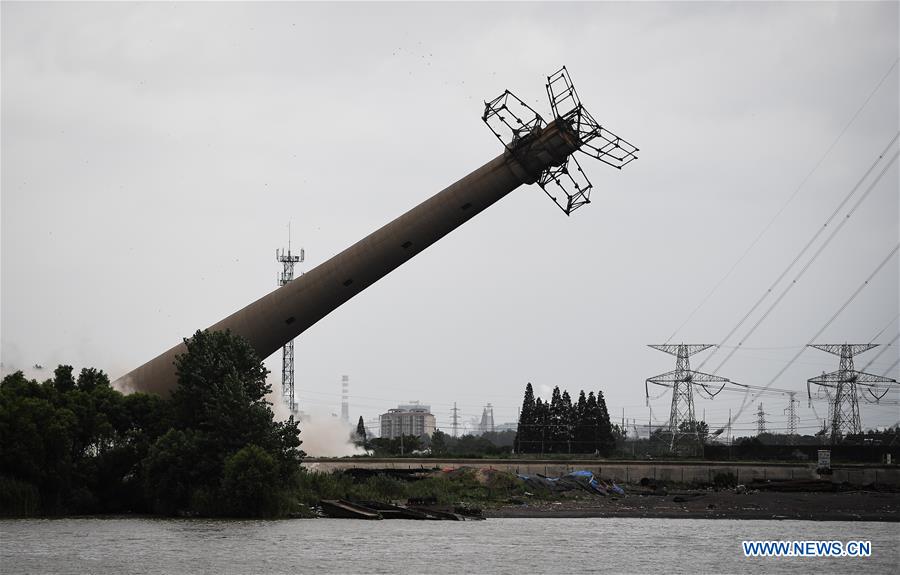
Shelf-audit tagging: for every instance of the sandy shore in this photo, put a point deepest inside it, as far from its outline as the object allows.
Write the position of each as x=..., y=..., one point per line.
x=843, y=506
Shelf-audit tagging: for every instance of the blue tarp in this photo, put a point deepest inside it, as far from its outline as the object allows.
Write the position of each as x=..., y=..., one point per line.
x=580, y=479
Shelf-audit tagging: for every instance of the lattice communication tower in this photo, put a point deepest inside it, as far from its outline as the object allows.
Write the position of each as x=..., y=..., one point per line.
x=288, y=260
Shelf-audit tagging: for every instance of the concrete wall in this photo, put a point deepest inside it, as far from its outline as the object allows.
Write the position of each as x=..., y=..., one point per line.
x=633, y=471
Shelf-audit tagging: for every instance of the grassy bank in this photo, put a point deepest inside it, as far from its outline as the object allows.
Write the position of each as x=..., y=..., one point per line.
x=466, y=486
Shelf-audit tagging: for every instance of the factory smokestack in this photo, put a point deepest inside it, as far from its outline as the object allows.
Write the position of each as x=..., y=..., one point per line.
x=345, y=398
x=535, y=152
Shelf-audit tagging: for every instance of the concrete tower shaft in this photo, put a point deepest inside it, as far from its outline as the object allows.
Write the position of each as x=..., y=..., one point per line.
x=279, y=317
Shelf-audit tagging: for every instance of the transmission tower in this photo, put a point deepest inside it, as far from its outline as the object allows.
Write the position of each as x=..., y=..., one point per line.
x=792, y=415
x=455, y=420
x=288, y=260
x=683, y=425
x=760, y=420
x=845, y=382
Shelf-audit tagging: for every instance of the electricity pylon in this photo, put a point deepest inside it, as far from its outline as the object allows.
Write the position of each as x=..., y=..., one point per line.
x=845, y=382
x=682, y=423
x=760, y=420
x=791, y=412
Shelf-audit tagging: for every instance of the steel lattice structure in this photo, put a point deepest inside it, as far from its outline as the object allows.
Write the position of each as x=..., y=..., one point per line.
x=517, y=125
x=845, y=383
x=682, y=421
x=792, y=416
x=288, y=261
x=760, y=420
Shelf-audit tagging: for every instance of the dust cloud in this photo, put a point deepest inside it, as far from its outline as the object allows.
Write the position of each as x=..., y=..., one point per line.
x=322, y=434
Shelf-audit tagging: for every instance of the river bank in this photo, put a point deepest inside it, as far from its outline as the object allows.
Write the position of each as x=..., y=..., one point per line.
x=728, y=504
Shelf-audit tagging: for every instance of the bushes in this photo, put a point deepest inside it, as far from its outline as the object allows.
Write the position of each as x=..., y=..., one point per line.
x=250, y=486
x=18, y=498
x=78, y=446
x=460, y=485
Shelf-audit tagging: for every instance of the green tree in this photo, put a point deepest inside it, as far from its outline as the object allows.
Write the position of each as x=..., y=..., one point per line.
x=582, y=426
x=606, y=440
x=567, y=422
x=541, y=420
x=250, y=483
x=525, y=442
x=555, y=426
x=63, y=380
x=438, y=442
x=217, y=410
x=170, y=473
x=361, y=432
x=700, y=427
x=591, y=423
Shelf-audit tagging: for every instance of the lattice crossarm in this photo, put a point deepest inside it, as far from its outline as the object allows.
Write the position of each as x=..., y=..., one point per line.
x=567, y=185
x=511, y=119
x=667, y=378
x=700, y=377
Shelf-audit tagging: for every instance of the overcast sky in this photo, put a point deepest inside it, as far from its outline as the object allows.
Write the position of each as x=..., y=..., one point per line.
x=153, y=155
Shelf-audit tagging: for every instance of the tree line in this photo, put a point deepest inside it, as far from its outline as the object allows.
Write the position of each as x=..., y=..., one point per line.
x=76, y=445
x=560, y=426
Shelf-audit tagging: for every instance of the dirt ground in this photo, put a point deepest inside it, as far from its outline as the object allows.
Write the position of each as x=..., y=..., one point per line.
x=725, y=504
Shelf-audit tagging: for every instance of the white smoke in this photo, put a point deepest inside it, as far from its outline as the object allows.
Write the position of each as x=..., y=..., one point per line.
x=322, y=434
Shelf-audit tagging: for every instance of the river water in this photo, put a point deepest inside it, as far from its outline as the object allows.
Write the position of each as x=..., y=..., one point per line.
x=590, y=545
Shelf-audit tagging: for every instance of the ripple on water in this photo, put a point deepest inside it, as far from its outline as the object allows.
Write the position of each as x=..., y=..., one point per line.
x=592, y=545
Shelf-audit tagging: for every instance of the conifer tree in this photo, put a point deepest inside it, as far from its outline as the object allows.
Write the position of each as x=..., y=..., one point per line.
x=582, y=429
x=361, y=431
x=606, y=441
x=526, y=428
x=556, y=431
x=591, y=422
x=541, y=412
x=568, y=423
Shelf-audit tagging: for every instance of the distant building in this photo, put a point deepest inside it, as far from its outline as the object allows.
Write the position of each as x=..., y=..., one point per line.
x=642, y=431
x=410, y=419
x=487, y=420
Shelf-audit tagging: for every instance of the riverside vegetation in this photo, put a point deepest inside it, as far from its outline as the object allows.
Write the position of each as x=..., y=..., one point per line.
x=74, y=445
x=77, y=446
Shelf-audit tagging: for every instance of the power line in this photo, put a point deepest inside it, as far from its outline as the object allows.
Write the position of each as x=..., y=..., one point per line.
x=824, y=327
x=883, y=349
x=877, y=335
x=789, y=200
x=806, y=247
x=814, y=256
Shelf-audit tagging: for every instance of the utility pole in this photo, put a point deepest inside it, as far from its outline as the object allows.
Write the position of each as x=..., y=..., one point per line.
x=455, y=420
